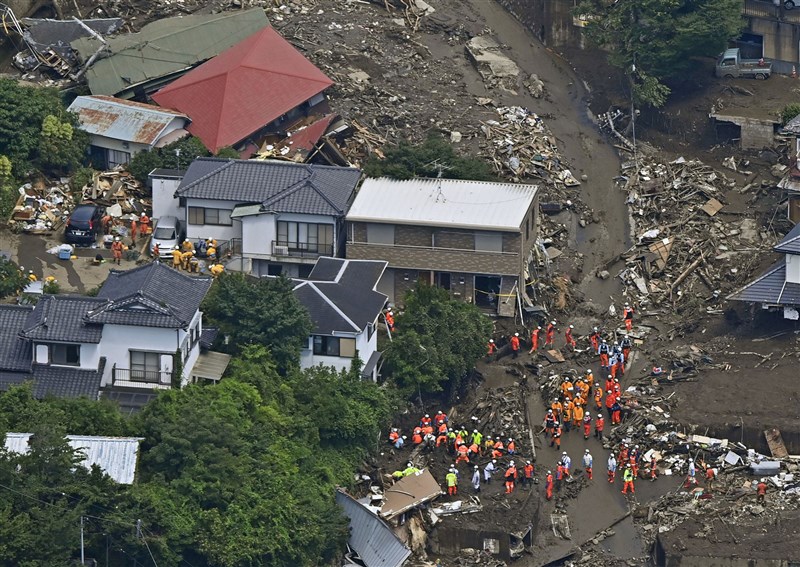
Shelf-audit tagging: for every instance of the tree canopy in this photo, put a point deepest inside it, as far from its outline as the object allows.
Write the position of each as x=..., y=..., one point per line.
x=437, y=341
x=177, y=155
x=12, y=279
x=425, y=160
x=237, y=474
x=655, y=40
x=262, y=311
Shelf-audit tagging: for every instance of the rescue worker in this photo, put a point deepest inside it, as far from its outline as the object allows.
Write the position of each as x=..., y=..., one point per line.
x=549, y=423
x=548, y=485
x=609, y=383
x=535, y=340
x=559, y=475
x=156, y=252
x=488, y=444
x=626, y=345
x=627, y=478
x=571, y=344
x=612, y=468
x=616, y=413
x=476, y=479
x=603, y=351
x=401, y=441
x=474, y=451
x=488, y=471
x=557, y=408
x=177, y=258
x=587, y=463
x=587, y=425
x=394, y=435
x=452, y=482
x=32, y=277
x=566, y=386
x=416, y=439
x=185, y=257
x=429, y=441
x=511, y=448
x=598, y=396
x=761, y=490
x=194, y=263
x=425, y=421
x=653, y=469
x=463, y=454
x=709, y=477
x=211, y=249
x=556, y=440
x=106, y=223
x=599, y=425
x=497, y=449
x=116, y=250
x=144, y=224
x=627, y=315
x=187, y=245
x=567, y=462
x=389, y=316
x=216, y=270
x=439, y=419
x=610, y=399
x=491, y=348
x=550, y=334
x=515, y=345
x=441, y=439
x=527, y=477
x=594, y=339
x=134, y=231
x=476, y=437
x=567, y=415
x=577, y=416
x=510, y=477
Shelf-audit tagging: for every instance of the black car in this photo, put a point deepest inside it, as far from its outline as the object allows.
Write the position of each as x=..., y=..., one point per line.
x=83, y=225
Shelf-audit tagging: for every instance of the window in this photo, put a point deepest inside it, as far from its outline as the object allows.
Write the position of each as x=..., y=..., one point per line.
x=202, y=215
x=380, y=233
x=334, y=346
x=116, y=158
x=488, y=241
x=65, y=354
x=145, y=365
x=306, y=237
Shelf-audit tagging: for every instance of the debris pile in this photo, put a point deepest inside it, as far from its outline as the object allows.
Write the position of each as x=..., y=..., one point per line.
x=684, y=249
x=42, y=209
x=118, y=187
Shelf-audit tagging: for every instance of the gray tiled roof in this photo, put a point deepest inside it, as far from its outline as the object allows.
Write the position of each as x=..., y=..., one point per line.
x=343, y=299
x=278, y=185
x=64, y=382
x=15, y=352
x=60, y=318
x=771, y=288
x=58, y=381
x=152, y=295
x=791, y=242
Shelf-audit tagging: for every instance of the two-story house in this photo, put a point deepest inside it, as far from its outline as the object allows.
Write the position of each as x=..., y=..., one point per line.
x=473, y=238
x=140, y=334
x=344, y=306
x=275, y=217
x=779, y=286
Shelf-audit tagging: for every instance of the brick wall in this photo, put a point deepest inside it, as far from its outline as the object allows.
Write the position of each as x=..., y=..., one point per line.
x=438, y=260
x=413, y=235
x=462, y=239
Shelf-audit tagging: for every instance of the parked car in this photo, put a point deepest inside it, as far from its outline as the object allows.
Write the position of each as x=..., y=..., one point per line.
x=84, y=224
x=789, y=4
x=168, y=233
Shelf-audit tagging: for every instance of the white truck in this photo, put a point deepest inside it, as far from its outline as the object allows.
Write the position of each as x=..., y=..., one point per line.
x=730, y=65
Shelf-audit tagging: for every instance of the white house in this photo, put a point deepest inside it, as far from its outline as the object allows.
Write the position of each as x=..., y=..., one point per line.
x=344, y=306
x=119, y=129
x=271, y=217
x=130, y=339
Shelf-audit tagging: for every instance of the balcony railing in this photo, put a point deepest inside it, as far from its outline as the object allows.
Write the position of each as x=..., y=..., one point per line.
x=300, y=249
x=767, y=10
x=154, y=379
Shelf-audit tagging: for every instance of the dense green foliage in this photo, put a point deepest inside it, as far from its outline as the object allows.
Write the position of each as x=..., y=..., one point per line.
x=237, y=474
x=660, y=38
x=437, y=341
x=177, y=155
x=789, y=111
x=261, y=311
x=12, y=280
x=425, y=160
x=37, y=132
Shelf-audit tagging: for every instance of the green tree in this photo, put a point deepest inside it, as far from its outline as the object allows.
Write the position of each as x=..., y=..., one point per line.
x=177, y=155
x=259, y=311
x=437, y=341
x=424, y=160
x=658, y=40
x=12, y=280
x=23, y=112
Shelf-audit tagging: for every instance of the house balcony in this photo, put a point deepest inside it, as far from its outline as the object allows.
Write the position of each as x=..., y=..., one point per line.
x=767, y=10
x=288, y=249
x=141, y=379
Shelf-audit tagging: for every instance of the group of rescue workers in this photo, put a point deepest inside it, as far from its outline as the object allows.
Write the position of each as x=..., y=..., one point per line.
x=186, y=256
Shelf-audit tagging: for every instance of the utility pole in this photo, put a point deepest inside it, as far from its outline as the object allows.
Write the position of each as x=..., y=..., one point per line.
x=82, y=550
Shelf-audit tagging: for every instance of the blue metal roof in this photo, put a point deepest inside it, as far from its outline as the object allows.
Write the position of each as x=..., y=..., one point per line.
x=371, y=537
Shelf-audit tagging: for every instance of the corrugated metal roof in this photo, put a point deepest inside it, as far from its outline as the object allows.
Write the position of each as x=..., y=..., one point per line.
x=770, y=288
x=122, y=119
x=443, y=202
x=116, y=456
x=164, y=47
x=371, y=537
x=791, y=242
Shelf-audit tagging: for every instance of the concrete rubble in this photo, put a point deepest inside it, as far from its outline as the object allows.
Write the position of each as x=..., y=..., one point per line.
x=42, y=209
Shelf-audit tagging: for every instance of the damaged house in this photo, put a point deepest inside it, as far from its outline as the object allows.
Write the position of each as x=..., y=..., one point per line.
x=260, y=86
x=779, y=286
x=119, y=129
x=472, y=238
x=791, y=181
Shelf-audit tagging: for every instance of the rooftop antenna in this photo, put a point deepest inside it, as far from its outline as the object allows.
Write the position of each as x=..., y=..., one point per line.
x=440, y=169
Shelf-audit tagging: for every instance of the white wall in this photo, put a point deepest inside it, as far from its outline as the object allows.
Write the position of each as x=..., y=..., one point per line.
x=89, y=355
x=176, y=124
x=118, y=340
x=114, y=144
x=258, y=232
x=364, y=345
x=194, y=231
x=164, y=202
x=792, y=268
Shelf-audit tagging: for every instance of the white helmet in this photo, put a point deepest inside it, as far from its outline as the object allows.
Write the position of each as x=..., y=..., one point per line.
x=494, y=461
x=571, y=326
x=516, y=334
x=586, y=451
x=426, y=415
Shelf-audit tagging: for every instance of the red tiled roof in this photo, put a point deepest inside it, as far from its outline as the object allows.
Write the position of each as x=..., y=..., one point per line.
x=243, y=88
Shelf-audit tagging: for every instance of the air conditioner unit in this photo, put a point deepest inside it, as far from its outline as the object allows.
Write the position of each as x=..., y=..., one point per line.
x=281, y=250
